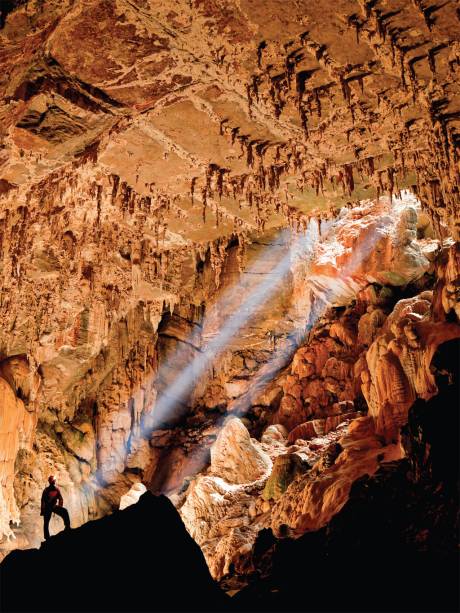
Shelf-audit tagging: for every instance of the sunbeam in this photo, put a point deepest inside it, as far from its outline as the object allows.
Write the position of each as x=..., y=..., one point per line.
x=241, y=311
x=172, y=402
x=284, y=353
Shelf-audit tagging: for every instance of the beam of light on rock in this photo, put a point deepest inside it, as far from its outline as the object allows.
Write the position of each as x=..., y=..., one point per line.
x=242, y=304
x=283, y=354
x=243, y=310
x=172, y=400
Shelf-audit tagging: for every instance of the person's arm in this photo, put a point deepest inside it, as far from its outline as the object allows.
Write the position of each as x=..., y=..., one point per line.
x=42, y=503
x=59, y=497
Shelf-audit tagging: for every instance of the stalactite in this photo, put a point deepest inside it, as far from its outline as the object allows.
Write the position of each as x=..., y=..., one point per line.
x=261, y=47
x=249, y=99
x=204, y=199
x=349, y=180
x=249, y=155
x=193, y=188
x=390, y=175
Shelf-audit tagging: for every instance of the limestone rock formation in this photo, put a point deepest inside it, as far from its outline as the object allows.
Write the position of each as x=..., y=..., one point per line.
x=228, y=255
x=402, y=518
x=236, y=458
x=328, y=445
x=18, y=418
x=108, y=445
x=319, y=101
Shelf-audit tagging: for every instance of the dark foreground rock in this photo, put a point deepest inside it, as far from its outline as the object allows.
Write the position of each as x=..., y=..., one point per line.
x=394, y=546
x=138, y=559
x=388, y=550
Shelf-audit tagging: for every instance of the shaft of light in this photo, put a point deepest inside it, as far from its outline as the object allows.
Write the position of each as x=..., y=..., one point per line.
x=184, y=383
x=169, y=402
x=281, y=355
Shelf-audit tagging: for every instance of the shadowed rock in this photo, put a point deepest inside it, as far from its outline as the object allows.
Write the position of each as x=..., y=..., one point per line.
x=393, y=546
x=138, y=559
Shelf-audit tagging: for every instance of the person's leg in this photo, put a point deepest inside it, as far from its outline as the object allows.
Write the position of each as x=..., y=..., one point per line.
x=46, y=523
x=62, y=512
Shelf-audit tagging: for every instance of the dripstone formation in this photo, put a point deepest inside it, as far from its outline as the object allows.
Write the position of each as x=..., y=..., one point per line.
x=289, y=168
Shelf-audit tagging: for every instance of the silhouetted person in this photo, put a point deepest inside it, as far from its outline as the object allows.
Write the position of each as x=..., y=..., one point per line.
x=52, y=502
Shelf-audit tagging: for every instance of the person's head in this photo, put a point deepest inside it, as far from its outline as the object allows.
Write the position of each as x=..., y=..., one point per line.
x=51, y=480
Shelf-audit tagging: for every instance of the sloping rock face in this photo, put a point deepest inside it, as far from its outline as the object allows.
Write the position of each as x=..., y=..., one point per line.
x=116, y=576
x=18, y=421
x=235, y=457
x=343, y=401
x=395, y=540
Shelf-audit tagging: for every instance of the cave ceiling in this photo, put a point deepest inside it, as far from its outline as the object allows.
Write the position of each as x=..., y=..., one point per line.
x=154, y=158
x=222, y=116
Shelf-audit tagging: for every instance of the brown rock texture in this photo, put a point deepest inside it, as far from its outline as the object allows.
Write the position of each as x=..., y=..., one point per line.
x=156, y=156
x=319, y=444
x=334, y=103
x=96, y=413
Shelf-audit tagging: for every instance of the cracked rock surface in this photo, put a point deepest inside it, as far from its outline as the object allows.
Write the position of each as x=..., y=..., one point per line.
x=153, y=156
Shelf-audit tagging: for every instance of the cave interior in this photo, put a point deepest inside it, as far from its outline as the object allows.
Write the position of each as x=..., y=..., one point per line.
x=230, y=303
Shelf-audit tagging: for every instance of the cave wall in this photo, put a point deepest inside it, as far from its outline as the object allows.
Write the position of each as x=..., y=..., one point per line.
x=335, y=415
x=303, y=106
x=95, y=405
x=399, y=526
x=139, y=179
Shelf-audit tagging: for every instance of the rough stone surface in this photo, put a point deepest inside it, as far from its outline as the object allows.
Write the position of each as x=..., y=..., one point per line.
x=119, y=545
x=302, y=106
x=329, y=446
x=156, y=156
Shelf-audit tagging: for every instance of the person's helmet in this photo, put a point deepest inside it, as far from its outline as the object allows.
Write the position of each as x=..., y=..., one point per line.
x=51, y=480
